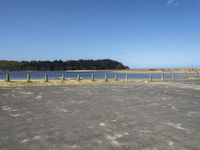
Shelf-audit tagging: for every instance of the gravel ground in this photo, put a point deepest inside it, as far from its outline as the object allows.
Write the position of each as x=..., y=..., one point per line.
x=145, y=116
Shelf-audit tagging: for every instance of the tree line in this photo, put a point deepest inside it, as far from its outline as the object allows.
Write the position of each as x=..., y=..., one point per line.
x=104, y=64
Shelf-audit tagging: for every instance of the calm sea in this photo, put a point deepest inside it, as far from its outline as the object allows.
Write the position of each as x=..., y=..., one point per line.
x=35, y=75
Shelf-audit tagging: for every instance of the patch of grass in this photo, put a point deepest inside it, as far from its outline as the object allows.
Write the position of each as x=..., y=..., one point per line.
x=15, y=83
x=192, y=77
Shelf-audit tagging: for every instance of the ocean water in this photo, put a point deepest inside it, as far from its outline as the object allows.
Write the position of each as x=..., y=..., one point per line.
x=39, y=75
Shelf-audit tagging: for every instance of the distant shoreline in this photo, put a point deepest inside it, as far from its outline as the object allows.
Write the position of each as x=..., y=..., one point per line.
x=189, y=70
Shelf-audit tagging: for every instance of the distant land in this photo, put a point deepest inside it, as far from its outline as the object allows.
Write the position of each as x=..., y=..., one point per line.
x=58, y=65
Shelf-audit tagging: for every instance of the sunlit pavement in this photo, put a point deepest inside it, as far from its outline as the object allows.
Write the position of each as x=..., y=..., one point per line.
x=160, y=115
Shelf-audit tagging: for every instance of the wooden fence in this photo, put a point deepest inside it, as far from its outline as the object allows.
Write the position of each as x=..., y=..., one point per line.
x=116, y=78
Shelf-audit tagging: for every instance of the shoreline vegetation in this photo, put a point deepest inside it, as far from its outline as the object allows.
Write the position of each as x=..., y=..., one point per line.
x=59, y=65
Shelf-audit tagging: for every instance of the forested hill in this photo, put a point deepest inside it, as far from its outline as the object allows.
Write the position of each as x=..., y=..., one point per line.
x=105, y=64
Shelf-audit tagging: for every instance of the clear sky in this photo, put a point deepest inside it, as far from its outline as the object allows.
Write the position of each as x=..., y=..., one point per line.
x=138, y=33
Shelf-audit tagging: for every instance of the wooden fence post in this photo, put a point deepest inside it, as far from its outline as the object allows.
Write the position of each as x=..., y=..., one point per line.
x=197, y=74
x=126, y=77
x=106, y=79
x=7, y=77
x=92, y=77
x=150, y=78
x=28, y=77
x=63, y=77
x=162, y=77
x=78, y=77
x=46, y=78
x=116, y=77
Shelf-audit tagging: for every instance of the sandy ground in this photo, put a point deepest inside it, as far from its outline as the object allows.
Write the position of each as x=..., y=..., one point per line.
x=145, y=116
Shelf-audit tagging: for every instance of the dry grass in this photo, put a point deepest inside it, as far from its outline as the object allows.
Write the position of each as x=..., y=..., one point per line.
x=15, y=83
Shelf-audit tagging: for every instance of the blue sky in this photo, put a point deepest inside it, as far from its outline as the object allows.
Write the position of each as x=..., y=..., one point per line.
x=138, y=33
